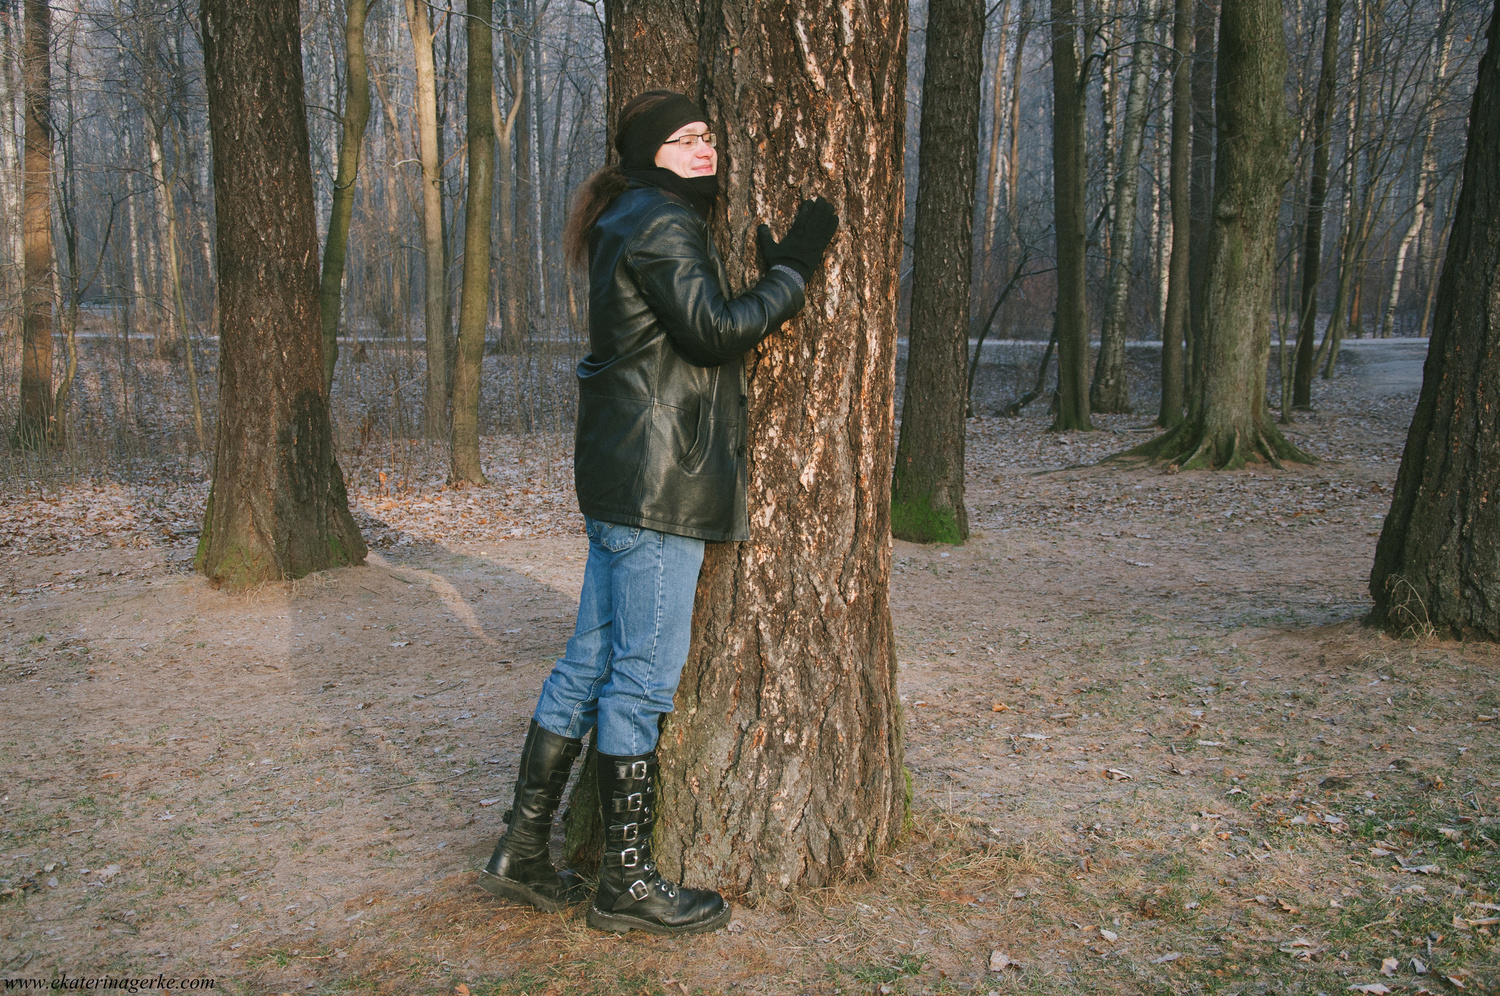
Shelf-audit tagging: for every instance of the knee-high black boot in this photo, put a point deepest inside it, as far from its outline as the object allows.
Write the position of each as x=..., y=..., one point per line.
x=632, y=894
x=521, y=867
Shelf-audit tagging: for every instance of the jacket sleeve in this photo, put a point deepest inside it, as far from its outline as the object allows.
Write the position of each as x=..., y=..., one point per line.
x=669, y=258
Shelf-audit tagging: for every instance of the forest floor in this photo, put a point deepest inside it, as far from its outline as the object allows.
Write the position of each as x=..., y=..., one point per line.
x=1153, y=750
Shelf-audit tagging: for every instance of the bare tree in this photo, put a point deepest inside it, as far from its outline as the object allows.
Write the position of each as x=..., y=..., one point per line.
x=927, y=491
x=1175, y=319
x=1069, y=188
x=782, y=761
x=435, y=421
x=1437, y=565
x=356, y=116
x=474, y=311
x=1229, y=425
x=277, y=508
x=1110, y=390
x=34, y=423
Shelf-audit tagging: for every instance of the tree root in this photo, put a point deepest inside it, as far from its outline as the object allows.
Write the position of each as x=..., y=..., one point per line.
x=1192, y=446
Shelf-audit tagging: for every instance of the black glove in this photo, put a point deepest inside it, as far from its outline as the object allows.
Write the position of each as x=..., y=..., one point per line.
x=805, y=242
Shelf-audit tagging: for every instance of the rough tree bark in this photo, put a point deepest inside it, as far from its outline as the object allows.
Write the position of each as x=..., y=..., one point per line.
x=1110, y=390
x=1175, y=320
x=1317, y=196
x=435, y=419
x=356, y=116
x=474, y=310
x=927, y=491
x=1069, y=188
x=277, y=507
x=34, y=421
x=782, y=765
x=1229, y=425
x=1437, y=565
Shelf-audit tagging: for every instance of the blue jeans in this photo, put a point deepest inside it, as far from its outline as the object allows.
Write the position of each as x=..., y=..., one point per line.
x=635, y=616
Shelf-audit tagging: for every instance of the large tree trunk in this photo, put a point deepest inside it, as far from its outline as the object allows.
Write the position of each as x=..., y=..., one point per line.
x=1229, y=425
x=1437, y=566
x=277, y=508
x=1312, y=247
x=34, y=421
x=782, y=765
x=474, y=311
x=1175, y=320
x=1069, y=183
x=435, y=419
x=1110, y=390
x=927, y=492
x=356, y=116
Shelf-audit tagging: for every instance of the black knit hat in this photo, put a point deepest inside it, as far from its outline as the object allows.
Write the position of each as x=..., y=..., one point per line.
x=664, y=111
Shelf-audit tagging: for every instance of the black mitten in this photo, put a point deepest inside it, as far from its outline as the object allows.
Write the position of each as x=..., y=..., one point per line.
x=805, y=242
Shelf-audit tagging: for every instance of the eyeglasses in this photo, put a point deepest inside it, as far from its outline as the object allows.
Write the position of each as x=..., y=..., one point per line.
x=690, y=142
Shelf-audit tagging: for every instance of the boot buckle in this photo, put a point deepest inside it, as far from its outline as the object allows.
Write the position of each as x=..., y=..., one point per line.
x=635, y=857
x=638, y=770
x=638, y=890
x=630, y=832
x=633, y=802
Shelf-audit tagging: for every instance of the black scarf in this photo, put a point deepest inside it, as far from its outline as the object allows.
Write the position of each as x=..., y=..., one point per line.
x=701, y=192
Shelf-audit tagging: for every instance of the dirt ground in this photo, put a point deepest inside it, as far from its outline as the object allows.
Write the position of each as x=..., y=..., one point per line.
x=1152, y=748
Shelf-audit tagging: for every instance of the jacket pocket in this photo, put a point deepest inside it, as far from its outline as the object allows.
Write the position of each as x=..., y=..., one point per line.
x=684, y=433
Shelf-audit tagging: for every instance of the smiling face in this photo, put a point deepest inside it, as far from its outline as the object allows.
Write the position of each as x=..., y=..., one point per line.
x=700, y=161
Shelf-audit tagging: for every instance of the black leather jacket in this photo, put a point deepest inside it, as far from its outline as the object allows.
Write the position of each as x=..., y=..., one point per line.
x=661, y=395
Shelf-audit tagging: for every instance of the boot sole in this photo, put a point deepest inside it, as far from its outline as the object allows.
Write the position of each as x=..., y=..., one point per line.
x=504, y=888
x=620, y=923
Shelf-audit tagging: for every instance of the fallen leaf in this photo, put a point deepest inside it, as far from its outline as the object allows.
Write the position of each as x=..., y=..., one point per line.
x=1288, y=907
x=461, y=989
x=1116, y=775
x=1388, y=967
x=1109, y=935
x=1169, y=956
x=1419, y=966
x=999, y=707
x=1000, y=961
x=1370, y=987
x=487, y=803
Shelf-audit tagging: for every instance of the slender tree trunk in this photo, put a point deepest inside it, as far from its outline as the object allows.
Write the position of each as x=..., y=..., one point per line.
x=1430, y=303
x=512, y=291
x=1312, y=247
x=1110, y=390
x=356, y=116
x=1069, y=183
x=172, y=274
x=435, y=419
x=34, y=421
x=1013, y=157
x=927, y=492
x=1426, y=169
x=1205, y=48
x=526, y=235
x=1229, y=426
x=475, y=310
x=1437, y=565
x=989, y=235
x=782, y=764
x=1175, y=324
x=277, y=508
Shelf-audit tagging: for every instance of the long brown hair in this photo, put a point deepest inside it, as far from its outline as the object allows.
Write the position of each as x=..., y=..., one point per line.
x=599, y=191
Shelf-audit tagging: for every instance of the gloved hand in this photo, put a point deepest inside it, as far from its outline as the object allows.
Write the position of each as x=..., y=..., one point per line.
x=805, y=242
